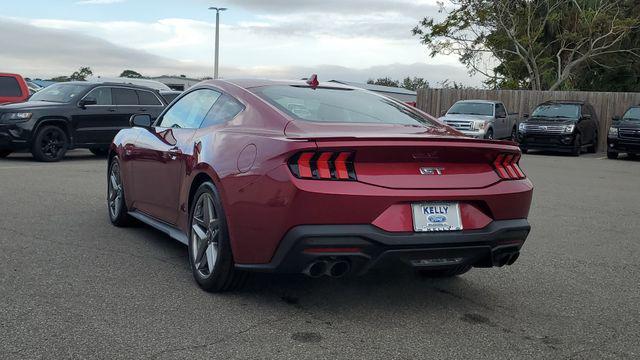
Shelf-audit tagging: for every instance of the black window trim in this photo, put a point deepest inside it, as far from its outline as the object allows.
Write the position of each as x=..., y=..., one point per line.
x=122, y=87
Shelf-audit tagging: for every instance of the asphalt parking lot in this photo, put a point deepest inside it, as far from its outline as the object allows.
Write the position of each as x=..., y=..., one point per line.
x=73, y=286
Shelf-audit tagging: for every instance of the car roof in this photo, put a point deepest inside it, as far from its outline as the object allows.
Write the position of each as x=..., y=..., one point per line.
x=109, y=83
x=567, y=102
x=253, y=83
x=493, y=102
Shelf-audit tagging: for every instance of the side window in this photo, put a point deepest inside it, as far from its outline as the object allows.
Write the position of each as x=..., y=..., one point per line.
x=123, y=96
x=148, y=98
x=9, y=87
x=500, y=110
x=190, y=110
x=102, y=95
x=225, y=109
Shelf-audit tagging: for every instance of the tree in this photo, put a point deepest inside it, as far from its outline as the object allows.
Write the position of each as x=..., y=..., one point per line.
x=540, y=44
x=414, y=83
x=386, y=81
x=60, y=79
x=131, y=74
x=81, y=74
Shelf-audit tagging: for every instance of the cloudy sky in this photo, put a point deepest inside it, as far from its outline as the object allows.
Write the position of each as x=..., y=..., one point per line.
x=339, y=39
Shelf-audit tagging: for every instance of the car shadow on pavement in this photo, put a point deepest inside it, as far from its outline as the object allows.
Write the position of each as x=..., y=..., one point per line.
x=74, y=155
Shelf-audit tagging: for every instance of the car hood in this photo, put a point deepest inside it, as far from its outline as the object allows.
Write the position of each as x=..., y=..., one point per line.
x=550, y=121
x=459, y=117
x=627, y=124
x=29, y=105
x=308, y=129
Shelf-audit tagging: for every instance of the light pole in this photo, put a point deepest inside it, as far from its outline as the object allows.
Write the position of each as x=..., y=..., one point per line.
x=215, y=66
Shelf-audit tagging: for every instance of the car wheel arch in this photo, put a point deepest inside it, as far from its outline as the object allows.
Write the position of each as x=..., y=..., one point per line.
x=61, y=122
x=206, y=175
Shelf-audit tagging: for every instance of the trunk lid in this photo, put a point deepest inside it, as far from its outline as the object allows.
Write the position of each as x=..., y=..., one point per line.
x=411, y=158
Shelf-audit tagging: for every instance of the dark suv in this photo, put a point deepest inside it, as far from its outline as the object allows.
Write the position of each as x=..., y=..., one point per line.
x=73, y=115
x=567, y=126
x=624, y=134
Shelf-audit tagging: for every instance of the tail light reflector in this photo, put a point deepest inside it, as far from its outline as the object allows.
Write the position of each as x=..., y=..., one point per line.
x=323, y=165
x=507, y=167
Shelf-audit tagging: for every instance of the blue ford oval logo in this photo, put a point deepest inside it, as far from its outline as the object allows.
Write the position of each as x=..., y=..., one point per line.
x=437, y=218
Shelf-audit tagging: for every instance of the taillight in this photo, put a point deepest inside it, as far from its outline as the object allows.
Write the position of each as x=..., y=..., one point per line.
x=325, y=165
x=507, y=167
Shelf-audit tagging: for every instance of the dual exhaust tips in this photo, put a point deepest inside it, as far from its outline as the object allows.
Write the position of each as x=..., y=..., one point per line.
x=506, y=259
x=332, y=268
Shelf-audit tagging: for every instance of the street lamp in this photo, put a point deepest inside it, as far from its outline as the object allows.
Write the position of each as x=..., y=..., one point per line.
x=215, y=66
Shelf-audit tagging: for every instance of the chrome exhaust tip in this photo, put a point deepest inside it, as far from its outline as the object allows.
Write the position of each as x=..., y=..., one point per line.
x=316, y=269
x=339, y=268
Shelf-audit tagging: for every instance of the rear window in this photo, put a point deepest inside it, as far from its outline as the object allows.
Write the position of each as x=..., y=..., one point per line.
x=339, y=105
x=9, y=87
x=471, y=108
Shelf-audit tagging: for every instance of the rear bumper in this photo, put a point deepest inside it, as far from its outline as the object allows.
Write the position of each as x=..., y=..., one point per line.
x=623, y=145
x=365, y=246
x=555, y=142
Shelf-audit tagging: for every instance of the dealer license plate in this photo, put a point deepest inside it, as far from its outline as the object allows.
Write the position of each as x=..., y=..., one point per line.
x=436, y=216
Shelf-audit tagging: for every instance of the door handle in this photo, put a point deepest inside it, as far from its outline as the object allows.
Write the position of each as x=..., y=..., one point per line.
x=142, y=110
x=174, y=153
x=111, y=110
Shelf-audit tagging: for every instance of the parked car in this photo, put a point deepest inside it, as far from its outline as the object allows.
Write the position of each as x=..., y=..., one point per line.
x=316, y=178
x=169, y=96
x=563, y=126
x=13, y=89
x=153, y=84
x=624, y=134
x=482, y=119
x=73, y=115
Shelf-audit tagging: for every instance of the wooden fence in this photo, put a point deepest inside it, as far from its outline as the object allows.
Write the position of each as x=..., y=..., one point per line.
x=606, y=104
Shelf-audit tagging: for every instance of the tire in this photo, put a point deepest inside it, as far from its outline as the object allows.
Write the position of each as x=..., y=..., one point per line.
x=577, y=146
x=489, y=134
x=593, y=148
x=632, y=156
x=5, y=153
x=210, y=253
x=100, y=152
x=612, y=155
x=514, y=135
x=50, y=144
x=445, y=273
x=116, y=204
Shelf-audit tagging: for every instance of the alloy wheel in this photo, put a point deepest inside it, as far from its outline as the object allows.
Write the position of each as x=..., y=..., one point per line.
x=205, y=233
x=52, y=143
x=115, y=191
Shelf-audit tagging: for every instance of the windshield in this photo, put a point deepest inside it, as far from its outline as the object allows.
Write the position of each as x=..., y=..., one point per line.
x=560, y=111
x=339, y=105
x=471, y=108
x=632, y=114
x=59, y=93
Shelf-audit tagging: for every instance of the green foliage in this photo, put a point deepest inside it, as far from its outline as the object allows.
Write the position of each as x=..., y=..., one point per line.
x=386, y=81
x=541, y=44
x=81, y=74
x=414, y=83
x=131, y=74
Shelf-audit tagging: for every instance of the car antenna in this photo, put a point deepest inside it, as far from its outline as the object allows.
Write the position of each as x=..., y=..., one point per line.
x=313, y=81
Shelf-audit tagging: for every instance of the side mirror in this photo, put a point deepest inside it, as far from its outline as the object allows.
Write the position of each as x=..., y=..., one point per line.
x=141, y=120
x=88, y=101
x=616, y=118
x=501, y=116
x=525, y=115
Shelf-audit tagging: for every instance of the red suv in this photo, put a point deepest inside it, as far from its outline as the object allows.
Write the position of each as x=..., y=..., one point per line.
x=13, y=89
x=320, y=179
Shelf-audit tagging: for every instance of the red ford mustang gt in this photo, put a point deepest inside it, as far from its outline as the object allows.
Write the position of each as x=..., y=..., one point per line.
x=320, y=179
